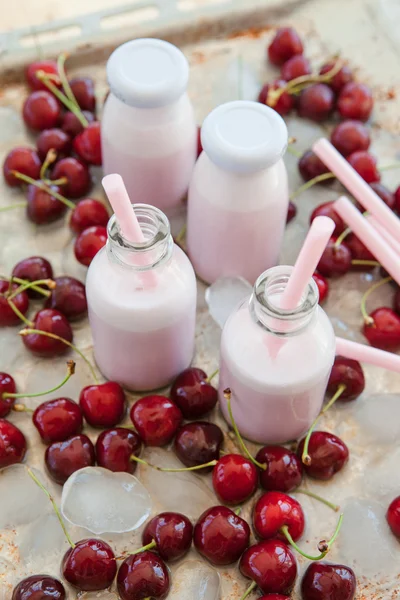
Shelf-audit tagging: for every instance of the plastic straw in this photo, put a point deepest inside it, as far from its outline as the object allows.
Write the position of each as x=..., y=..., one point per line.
x=366, y=354
x=384, y=233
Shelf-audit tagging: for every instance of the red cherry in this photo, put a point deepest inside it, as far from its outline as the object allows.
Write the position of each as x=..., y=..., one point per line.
x=338, y=81
x=350, y=136
x=48, y=66
x=12, y=444
x=55, y=139
x=273, y=511
x=393, y=516
x=58, y=419
x=7, y=386
x=355, y=101
x=25, y=161
x=292, y=211
x=274, y=597
x=77, y=174
x=50, y=321
x=286, y=43
x=285, y=102
x=42, y=207
x=271, y=565
x=194, y=395
x=64, y=458
x=311, y=166
x=39, y=587
x=83, y=90
x=397, y=200
x=284, y=470
x=327, y=209
x=221, y=536
x=328, y=582
x=328, y=455
x=296, y=66
x=143, y=576
x=41, y=110
x=396, y=301
x=72, y=125
x=172, y=534
x=335, y=260
x=234, y=479
x=198, y=443
x=365, y=164
x=90, y=565
x=384, y=332
x=358, y=252
x=88, y=212
x=156, y=419
x=103, y=405
x=89, y=242
x=322, y=285
x=386, y=195
x=32, y=269
x=7, y=315
x=347, y=372
x=114, y=447
x=87, y=144
x=199, y=144
x=69, y=297
x=316, y=102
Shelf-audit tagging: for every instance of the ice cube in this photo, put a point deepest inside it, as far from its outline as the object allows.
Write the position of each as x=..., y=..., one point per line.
x=382, y=477
x=105, y=502
x=196, y=580
x=22, y=501
x=41, y=539
x=225, y=295
x=103, y=595
x=379, y=418
x=238, y=83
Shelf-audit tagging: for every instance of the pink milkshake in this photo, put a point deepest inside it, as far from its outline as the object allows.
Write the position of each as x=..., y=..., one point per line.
x=238, y=194
x=276, y=362
x=143, y=328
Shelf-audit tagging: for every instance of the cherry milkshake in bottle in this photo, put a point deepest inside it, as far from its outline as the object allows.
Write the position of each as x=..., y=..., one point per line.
x=276, y=361
x=238, y=195
x=148, y=128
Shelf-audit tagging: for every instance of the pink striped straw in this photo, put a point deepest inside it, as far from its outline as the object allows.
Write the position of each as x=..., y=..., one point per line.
x=357, y=186
x=369, y=237
x=384, y=233
x=367, y=354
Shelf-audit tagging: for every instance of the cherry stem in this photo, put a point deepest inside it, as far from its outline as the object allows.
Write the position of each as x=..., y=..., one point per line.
x=70, y=372
x=31, y=284
x=53, y=336
x=342, y=236
x=334, y=507
x=310, y=183
x=42, y=186
x=45, y=293
x=50, y=497
x=211, y=377
x=367, y=319
x=22, y=408
x=323, y=544
x=181, y=235
x=238, y=511
x=12, y=206
x=293, y=151
x=228, y=396
x=19, y=313
x=250, y=589
x=150, y=546
x=41, y=75
x=51, y=156
x=63, y=78
x=305, y=457
x=366, y=263
x=134, y=458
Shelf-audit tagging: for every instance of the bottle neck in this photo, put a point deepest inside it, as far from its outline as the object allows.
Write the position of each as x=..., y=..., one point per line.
x=265, y=304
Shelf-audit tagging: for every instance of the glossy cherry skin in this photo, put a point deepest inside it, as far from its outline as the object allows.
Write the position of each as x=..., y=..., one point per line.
x=322, y=285
x=50, y=321
x=55, y=139
x=286, y=43
x=58, y=419
x=234, y=479
x=348, y=372
x=327, y=210
x=193, y=394
x=284, y=104
x=69, y=297
x=311, y=166
x=89, y=242
x=384, y=332
x=25, y=161
x=386, y=195
x=78, y=177
x=274, y=597
x=316, y=102
x=90, y=566
x=292, y=212
x=221, y=536
x=296, y=66
x=48, y=66
x=350, y=136
x=42, y=207
x=39, y=587
x=358, y=252
x=88, y=212
x=284, y=469
x=156, y=419
x=335, y=260
x=198, y=443
x=114, y=448
x=7, y=386
x=12, y=444
x=72, y=125
x=41, y=110
x=32, y=269
x=328, y=455
x=338, y=81
x=393, y=516
x=271, y=565
x=396, y=301
x=104, y=404
x=83, y=90
x=143, y=576
x=328, y=582
x=274, y=510
x=64, y=458
x=8, y=318
x=355, y=101
x=366, y=165
x=397, y=200
x=87, y=144
x=172, y=533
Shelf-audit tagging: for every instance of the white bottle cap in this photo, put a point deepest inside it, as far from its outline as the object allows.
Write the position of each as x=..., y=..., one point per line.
x=244, y=136
x=147, y=73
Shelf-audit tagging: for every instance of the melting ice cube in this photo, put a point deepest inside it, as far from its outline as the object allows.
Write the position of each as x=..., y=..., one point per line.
x=379, y=418
x=225, y=295
x=22, y=501
x=196, y=580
